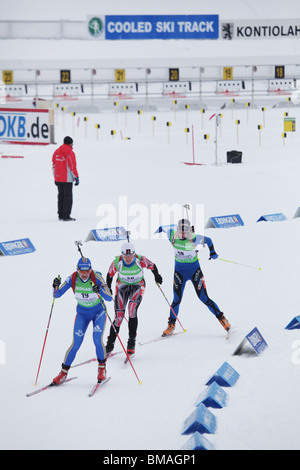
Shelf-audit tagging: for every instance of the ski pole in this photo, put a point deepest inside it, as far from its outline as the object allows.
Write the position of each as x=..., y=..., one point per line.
x=78, y=243
x=187, y=207
x=46, y=334
x=114, y=328
x=176, y=316
x=240, y=264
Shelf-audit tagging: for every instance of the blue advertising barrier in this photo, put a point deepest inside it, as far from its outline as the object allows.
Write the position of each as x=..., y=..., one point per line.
x=165, y=228
x=119, y=27
x=201, y=420
x=214, y=397
x=225, y=376
x=225, y=221
x=253, y=340
x=257, y=341
x=297, y=213
x=197, y=442
x=113, y=234
x=16, y=247
x=272, y=218
x=294, y=324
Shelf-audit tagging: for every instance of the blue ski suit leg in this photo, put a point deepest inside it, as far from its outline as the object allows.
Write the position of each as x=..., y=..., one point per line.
x=200, y=288
x=190, y=272
x=81, y=324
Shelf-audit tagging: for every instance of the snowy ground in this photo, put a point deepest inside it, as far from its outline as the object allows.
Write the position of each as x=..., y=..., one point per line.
x=263, y=407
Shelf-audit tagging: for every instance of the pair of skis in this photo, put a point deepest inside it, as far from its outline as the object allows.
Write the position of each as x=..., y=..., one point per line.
x=93, y=390
x=112, y=354
x=52, y=385
x=99, y=384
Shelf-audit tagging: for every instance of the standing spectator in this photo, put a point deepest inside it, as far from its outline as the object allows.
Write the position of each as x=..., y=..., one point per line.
x=65, y=172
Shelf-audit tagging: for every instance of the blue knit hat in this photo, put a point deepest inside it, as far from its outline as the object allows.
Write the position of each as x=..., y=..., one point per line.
x=84, y=264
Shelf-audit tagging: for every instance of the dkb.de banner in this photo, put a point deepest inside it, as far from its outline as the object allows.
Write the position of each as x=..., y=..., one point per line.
x=26, y=126
x=162, y=27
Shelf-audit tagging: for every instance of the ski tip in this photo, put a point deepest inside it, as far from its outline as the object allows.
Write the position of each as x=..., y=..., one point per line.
x=140, y=382
x=184, y=330
x=229, y=333
x=104, y=380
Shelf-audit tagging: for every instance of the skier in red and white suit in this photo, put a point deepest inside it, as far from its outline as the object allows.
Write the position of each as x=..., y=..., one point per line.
x=130, y=288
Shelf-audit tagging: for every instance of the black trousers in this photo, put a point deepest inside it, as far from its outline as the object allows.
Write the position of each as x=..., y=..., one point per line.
x=65, y=199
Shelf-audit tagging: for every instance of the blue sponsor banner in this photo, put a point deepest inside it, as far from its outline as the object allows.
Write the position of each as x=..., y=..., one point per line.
x=166, y=228
x=200, y=420
x=197, y=442
x=257, y=341
x=214, y=397
x=294, y=324
x=16, y=247
x=225, y=221
x=226, y=376
x=272, y=218
x=113, y=234
x=161, y=27
x=297, y=213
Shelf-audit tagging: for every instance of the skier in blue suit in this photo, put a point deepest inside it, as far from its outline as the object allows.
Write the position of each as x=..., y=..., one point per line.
x=90, y=290
x=187, y=268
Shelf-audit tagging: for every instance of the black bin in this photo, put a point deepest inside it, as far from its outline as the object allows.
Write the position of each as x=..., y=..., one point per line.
x=234, y=156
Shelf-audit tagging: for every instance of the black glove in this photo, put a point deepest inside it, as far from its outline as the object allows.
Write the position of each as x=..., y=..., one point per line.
x=213, y=255
x=96, y=288
x=212, y=252
x=56, y=283
x=76, y=181
x=157, y=276
x=109, y=283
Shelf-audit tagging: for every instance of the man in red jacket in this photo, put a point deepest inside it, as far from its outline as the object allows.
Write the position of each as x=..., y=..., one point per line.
x=65, y=172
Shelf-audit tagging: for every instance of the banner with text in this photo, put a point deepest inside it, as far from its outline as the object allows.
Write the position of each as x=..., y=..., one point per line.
x=259, y=29
x=21, y=246
x=25, y=126
x=118, y=27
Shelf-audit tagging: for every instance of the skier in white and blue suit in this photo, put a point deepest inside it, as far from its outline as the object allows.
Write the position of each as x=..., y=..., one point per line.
x=187, y=268
x=90, y=291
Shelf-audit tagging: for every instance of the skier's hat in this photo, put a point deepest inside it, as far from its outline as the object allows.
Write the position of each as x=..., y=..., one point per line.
x=84, y=264
x=68, y=140
x=127, y=249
